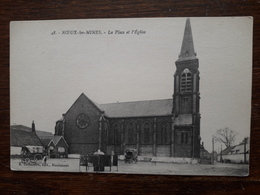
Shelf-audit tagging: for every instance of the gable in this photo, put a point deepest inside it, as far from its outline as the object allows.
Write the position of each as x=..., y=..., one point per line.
x=59, y=140
x=45, y=142
x=81, y=121
x=83, y=102
x=53, y=140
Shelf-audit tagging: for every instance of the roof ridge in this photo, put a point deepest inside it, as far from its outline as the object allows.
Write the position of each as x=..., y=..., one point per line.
x=136, y=101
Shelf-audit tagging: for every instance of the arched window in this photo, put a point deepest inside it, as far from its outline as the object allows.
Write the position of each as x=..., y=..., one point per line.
x=163, y=133
x=146, y=133
x=114, y=137
x=186, y=81
x=130, y=133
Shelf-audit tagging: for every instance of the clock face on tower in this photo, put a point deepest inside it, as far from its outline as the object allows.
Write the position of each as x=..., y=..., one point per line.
x=82, y=121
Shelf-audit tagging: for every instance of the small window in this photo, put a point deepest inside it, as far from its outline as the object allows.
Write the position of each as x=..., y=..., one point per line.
x=61, y=149
x=184, y=138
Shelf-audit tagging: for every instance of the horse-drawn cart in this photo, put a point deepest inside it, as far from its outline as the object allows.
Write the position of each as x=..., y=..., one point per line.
x=32, y=154
x=131, y=156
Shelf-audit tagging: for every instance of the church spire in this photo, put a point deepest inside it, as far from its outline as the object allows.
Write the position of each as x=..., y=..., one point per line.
x=187, y=48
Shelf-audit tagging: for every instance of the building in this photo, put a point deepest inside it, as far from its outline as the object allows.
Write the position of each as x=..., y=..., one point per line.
x=21, y=136
x=155, y=128
x=236, y=154
x=56, y=146
x=205, y=156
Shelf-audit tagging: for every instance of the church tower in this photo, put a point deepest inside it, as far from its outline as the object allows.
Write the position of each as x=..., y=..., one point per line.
x=186, y=99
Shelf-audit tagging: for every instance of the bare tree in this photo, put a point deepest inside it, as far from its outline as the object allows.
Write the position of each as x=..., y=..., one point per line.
x=225, y=136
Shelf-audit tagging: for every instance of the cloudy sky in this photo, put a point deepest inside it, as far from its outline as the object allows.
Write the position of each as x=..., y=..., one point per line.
x=49, y=70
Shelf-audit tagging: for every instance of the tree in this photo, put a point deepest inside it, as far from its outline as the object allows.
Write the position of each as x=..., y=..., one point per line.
x=225, y=136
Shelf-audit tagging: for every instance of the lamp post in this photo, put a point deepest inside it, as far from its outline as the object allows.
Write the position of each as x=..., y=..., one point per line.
x=212, y=150
x=221, y=154
x=245, y=142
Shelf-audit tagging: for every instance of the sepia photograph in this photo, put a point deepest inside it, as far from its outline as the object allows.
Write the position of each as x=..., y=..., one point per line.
x=164, y=96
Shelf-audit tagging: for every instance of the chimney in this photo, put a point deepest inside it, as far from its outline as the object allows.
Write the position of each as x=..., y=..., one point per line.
x=33, y=127
x=202, y=143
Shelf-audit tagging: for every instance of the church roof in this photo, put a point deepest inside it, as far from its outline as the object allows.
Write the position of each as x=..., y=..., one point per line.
x=187, y=48
x=138, y=108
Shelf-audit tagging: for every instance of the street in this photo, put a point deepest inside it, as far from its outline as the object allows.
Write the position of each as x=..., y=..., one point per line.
x=72, y=165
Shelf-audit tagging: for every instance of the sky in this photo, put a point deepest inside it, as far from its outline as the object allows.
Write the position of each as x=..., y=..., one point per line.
x=49, y=68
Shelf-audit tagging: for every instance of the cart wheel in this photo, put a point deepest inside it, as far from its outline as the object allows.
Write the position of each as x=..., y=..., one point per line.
x=37, y=158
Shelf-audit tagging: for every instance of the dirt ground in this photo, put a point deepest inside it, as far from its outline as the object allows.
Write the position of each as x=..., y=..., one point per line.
x=72, y=165
x=185, y=169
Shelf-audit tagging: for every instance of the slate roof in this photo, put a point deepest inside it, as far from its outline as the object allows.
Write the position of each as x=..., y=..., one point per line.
x=227, y=150
x=21, y=127
x=24, y=138
x=144, y=108
x=43, y=133
x=237, y=149
x=240, y=149
x=138, y=108
x=46, y=141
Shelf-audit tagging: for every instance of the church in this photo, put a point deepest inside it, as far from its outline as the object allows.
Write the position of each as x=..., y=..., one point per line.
x=155, y=128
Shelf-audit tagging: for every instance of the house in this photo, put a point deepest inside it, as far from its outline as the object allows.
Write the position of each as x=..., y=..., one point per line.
x=236, y=154
x=56, y=146
x=205, y=156
x=21, y=136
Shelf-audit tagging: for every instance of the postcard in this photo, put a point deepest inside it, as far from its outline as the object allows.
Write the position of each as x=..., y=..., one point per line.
x=165, y=96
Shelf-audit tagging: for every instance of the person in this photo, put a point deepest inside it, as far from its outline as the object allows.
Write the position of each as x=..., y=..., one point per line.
x=45, y=160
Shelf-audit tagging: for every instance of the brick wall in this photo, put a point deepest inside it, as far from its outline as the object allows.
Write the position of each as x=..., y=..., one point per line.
x=83, y=148
x=163, y=150
x=146, y=150
x=82, y=140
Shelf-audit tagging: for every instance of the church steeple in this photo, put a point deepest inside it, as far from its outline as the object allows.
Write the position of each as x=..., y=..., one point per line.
x=186, y=98
x=187, y=48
